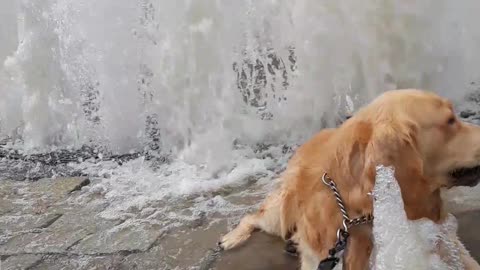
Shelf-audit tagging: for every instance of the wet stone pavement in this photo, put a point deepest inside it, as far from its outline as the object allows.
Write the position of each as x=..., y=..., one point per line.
x=41, y=227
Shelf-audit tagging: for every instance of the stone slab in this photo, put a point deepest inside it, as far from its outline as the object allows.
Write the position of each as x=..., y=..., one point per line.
x=20, y=262
x=65, y=232
x=61, y=262
x=58, y=188
x=36, y=197
x=11, y=224
x=129, y=236
x=10, y=200
x=7, y=187
x=82, y=220
x=181, y=249
x=44, y=242
x=6, y=206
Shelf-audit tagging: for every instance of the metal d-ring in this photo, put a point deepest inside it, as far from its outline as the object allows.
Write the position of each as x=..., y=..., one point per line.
x=325, y=180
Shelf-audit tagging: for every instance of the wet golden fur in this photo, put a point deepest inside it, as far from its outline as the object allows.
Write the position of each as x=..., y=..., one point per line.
x=414, y=131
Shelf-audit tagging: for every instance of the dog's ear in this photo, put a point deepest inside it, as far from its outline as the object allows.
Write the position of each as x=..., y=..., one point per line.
x=395, y=144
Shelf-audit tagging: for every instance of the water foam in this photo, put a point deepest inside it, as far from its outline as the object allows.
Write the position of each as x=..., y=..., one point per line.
x=139, y=184
x=404, y=244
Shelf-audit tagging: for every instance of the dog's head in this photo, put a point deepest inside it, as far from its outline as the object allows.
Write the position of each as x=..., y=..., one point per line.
x=419, y=134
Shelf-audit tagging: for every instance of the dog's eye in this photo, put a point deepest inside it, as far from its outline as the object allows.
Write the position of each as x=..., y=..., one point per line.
x=451, y=121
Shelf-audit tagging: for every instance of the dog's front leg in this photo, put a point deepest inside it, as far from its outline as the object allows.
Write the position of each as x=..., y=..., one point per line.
x=467, y=260
x=470, y=263
x=359, y=248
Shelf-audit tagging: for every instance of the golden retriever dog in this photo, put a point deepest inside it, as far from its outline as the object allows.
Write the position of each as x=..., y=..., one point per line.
x=414, y=131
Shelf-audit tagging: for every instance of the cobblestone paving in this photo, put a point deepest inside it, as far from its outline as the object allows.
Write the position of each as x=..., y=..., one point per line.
x=40, y=228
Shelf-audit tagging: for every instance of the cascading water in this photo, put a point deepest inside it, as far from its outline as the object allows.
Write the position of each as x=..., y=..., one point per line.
x=108, y=73
x=220, y=87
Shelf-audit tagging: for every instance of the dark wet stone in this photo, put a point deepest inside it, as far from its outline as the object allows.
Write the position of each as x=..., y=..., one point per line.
x=19, y=166
x=467, y=113
x=180, y=249
x=474, y=96
x=20, y=170
x=260, y=252
x=468, y=223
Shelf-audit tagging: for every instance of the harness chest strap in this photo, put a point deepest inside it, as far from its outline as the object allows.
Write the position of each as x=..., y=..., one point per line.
x=342, y=233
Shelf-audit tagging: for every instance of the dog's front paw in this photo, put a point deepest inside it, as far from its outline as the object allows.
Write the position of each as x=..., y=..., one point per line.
x=291, y=248
x=232, y=239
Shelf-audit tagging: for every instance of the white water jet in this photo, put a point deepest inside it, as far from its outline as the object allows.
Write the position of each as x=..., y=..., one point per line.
x=400, y=243
x=108, y=72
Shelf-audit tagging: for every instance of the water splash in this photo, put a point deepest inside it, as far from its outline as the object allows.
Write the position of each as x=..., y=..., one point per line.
x=128, y=75
x=404, y=244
